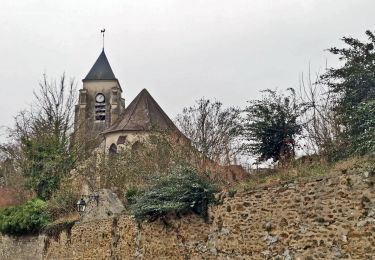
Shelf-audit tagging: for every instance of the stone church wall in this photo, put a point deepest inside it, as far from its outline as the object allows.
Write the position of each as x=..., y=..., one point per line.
x=326, y=218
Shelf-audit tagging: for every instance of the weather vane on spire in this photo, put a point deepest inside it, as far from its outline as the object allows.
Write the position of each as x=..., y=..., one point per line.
x=102, y=32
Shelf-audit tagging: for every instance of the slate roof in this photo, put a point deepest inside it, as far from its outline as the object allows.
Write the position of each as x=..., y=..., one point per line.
x=101, y=69
x=142, y=114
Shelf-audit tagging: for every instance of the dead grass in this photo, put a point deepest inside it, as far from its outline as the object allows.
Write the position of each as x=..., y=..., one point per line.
x=63, y=224
x=302, y=170
x=357, y=165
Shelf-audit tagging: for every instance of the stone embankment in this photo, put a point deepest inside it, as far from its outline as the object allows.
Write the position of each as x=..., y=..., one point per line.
x=321, y=218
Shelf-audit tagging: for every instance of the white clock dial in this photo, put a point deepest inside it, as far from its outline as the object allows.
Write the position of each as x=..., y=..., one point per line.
x=100, y=98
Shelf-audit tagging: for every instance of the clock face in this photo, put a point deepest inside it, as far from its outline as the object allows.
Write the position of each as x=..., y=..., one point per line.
x=100, y=98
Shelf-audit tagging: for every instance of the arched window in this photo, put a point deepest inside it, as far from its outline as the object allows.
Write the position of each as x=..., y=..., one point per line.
x=112, y=149
x=99, y=107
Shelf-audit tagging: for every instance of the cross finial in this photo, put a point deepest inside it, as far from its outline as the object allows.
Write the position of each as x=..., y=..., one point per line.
x=102, y=32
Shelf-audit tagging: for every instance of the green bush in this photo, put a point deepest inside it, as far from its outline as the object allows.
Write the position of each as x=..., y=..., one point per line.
x=131, y=193
x=363, y=129
x=352, y=89
x=28, y=218
x=180, y=192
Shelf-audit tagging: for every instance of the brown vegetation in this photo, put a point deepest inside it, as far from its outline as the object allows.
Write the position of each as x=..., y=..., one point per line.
x=9, y=197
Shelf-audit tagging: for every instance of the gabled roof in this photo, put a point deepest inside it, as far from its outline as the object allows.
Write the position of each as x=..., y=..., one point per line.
x=101, y=69
x=143, y=114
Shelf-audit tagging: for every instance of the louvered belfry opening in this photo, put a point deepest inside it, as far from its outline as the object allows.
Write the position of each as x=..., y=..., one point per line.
x=100, y=110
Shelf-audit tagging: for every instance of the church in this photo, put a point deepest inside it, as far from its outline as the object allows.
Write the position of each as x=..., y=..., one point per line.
x=101, y=115
x=103, y=120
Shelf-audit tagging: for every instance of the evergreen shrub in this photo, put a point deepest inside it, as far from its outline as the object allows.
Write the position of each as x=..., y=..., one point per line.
x=182, y=191
x=28, y=218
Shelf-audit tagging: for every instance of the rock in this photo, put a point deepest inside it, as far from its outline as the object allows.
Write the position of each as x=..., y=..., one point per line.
x=213, y=251
x=268, y=226
x=287, y=255
x=266, y=253
x=107, y=206
x=270, y=239
x=302, y=228
x=283, y=222
x=224, y=232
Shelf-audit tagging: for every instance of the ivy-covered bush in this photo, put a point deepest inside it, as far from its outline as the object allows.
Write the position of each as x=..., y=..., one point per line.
x=362, y=129
x=28, y=218
x=181, y=192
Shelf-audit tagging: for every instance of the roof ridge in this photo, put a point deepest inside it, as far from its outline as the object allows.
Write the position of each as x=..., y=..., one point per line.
x=158, y=107
x=143, y=114
x=147, y=107
x=118, y=122
x=137, y=98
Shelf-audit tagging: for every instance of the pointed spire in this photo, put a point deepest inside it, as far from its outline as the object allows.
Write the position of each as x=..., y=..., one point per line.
x=101, y=69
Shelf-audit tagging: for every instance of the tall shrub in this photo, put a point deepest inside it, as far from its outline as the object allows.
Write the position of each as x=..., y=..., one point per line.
x=353, y=87
x=272, y=125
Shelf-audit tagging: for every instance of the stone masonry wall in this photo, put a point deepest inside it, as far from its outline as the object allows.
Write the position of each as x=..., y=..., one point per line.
x=326, y=218
x=27, y=247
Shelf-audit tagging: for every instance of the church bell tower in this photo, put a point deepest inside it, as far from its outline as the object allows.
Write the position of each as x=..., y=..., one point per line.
x=100, y=101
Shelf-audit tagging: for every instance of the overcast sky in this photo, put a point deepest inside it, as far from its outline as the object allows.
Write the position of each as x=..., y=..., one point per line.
x=179, y=50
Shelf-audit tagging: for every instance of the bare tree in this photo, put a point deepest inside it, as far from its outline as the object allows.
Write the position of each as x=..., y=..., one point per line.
x=320, y=125
x=213, y=129
x=52, y=111
x=39, y=142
